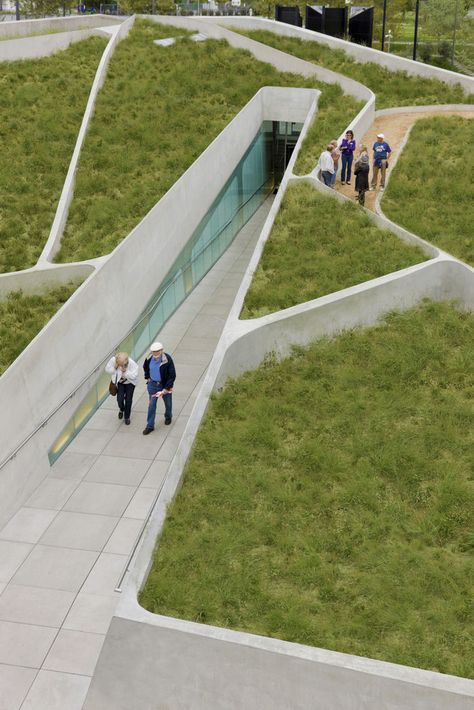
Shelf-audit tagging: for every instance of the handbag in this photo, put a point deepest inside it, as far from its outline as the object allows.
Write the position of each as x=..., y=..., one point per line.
x=113, y=389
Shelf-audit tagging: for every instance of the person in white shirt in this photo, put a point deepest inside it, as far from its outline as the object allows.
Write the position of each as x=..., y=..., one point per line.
x=326, y=165
x=124, y=372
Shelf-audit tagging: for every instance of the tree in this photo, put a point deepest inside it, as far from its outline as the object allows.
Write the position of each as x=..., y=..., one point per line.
x=443, y=17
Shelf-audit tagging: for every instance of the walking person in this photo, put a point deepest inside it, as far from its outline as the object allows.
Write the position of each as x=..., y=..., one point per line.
x=326, y=165
x=160, y=374
x=361, y=171
x=336, y=154
x=347, y=148
x=124, y=372
x=382, y=152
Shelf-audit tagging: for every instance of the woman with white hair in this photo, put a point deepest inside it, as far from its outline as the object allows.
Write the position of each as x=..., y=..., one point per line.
x=124, y=372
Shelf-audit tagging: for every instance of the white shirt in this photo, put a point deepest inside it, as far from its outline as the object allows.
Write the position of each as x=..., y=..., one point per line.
x=130, y=374
x=326, y=162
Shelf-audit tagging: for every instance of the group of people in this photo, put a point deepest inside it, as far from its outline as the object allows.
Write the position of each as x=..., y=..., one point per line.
x=328, y=164
x=160, y=374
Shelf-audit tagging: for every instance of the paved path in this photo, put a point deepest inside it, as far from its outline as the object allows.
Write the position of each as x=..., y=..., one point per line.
x=394, y=127
x=62, y=554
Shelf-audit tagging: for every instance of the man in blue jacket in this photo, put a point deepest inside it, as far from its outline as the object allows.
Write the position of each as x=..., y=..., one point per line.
x=160, y=375
x=382, y=152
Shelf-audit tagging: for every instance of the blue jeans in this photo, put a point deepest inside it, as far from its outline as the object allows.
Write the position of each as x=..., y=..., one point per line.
x=327, y=177
x=346, y=166
x=153, y=388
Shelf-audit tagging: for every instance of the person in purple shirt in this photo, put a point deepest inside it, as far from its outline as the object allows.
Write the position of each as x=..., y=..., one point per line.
x=382, y=152
x=347, y=148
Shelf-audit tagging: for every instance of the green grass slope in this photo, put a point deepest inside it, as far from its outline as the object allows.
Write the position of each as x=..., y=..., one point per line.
x=346, y=521
x=160, y=107
x=42, y=103
x=431, y=190
x=318, y=246
x=22, y=316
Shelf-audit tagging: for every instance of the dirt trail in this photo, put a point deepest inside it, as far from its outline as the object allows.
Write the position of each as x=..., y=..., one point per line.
x=394, y=127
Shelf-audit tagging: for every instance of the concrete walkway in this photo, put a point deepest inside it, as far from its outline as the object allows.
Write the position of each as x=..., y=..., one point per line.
x=62, y=554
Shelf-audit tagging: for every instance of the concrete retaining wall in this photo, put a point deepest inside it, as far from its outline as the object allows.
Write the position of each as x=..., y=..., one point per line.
x=54, y=239
x=36, y=280
x=41, y=46
x=442, y=279
x=181, y=666
x=135, y=268
x=357, y=51
x=57, y=24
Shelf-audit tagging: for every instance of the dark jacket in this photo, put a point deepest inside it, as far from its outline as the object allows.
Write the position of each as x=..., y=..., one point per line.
x=167, y=370
x=362, y=176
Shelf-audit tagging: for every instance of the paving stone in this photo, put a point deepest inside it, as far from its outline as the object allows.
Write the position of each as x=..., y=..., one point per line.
x=92, y=613
x=12, y=555
x=141, y=503
x=52, y=493
x=72, y=465
x=27, y=525
x=33, y=605
x=105, y=575
x=80, y=531
x=24, y=644
x=55, y=568
x=100, y=498
x=124, y=536
x=14, y=685
x=57, y=691
x=74, y=652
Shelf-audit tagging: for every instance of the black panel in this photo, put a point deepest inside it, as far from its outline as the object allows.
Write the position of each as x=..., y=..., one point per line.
x=361, y=25
x=314, y=18
x=334, y=21
x=289, y=15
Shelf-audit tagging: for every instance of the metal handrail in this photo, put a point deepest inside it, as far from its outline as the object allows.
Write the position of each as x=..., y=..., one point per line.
x=145, y=314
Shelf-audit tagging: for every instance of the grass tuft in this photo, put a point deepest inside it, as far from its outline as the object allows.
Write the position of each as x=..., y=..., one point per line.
x=42, y=103
x=431, y=191
x=344, y=522
x=318, y=246
x=22, y=316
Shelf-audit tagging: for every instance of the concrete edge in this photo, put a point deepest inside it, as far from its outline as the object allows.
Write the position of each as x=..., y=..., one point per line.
x=53, y=243
x=362, y=54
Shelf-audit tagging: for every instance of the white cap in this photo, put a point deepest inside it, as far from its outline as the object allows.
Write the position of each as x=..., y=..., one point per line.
x=380, y=135
x=154, y=347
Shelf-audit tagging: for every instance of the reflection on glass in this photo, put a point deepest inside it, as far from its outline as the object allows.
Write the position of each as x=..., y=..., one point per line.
x=254, y=178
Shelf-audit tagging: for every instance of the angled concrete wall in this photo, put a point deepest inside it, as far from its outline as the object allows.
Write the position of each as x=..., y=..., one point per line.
x=53, y=243
x=56, y=24
x=41, y=46
x=180, y=666
x=357, y=51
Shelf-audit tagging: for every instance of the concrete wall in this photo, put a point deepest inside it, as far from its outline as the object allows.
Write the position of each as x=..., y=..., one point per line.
x=56, y=24
x=357, y=51
x=41, y=46
x=53, y=243
x=181, y=666
x=36, y=280
x=442, y=279
x=136, y=268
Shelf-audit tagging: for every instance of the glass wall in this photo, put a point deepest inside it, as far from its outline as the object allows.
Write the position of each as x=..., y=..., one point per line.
x=251, y=182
